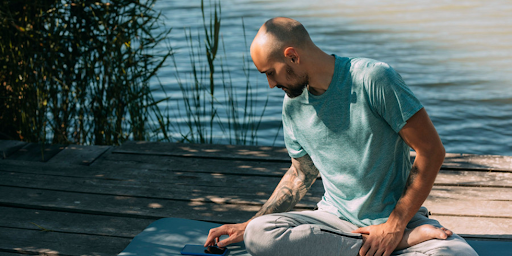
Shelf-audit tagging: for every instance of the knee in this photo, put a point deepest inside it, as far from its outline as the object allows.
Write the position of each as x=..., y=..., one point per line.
x=454, y=246
x=256, y=237
x=254, y=229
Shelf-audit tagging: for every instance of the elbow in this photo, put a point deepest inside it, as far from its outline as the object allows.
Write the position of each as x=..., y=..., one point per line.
x=440, y=155
x=438, y=152
x=442, y=152
x=434, y=154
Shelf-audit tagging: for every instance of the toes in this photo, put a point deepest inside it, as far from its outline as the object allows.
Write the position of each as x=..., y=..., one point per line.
x=447, y=232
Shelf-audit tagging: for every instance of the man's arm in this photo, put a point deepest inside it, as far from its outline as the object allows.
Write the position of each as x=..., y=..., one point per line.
x=419, y=133
x=290, y=190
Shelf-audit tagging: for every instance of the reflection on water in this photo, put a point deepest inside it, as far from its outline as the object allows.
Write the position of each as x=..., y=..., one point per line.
x=455, y=55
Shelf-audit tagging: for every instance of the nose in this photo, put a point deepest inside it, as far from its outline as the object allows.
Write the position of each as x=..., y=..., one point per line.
x=271, y=82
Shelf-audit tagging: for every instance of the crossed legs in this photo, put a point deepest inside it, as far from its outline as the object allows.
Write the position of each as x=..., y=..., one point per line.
x=322, y=233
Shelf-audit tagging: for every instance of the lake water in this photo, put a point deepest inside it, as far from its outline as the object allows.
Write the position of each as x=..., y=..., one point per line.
x=456, y=56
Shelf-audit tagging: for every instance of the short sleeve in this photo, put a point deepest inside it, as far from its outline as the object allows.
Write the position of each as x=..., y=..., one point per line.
x=390, y=97
x=295, y=150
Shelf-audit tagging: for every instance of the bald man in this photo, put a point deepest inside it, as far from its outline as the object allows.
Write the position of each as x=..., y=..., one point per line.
x=353, y=120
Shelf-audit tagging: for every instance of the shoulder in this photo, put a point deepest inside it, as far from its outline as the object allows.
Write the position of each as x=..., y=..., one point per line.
x=374, y=75
x=370, y=68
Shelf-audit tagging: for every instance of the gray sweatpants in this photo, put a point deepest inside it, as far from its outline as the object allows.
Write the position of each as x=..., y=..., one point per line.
x=321, y=233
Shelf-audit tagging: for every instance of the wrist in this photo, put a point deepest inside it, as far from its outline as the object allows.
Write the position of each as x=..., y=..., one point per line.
x=396, y=223
x=244, y=224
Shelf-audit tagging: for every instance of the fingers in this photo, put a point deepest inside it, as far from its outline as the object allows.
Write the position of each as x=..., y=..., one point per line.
x=234, y=237
x=372, y=251
x=214, y=234
x=363, y=230
x=363, y=250
x=234, y=231
x=226, y=242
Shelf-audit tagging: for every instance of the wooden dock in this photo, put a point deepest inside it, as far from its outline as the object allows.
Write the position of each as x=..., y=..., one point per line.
x=92, y=200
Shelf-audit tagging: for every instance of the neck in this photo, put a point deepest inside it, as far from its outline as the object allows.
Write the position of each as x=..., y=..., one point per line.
x=320, y=71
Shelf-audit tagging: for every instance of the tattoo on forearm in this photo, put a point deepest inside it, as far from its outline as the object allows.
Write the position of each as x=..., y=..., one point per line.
x=293, y=186
x=412, y=176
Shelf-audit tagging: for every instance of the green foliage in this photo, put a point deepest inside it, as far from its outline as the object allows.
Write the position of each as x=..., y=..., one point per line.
x=241, y=120
x=80, y=71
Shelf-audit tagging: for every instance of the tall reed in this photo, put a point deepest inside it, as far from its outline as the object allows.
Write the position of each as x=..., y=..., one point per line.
x=80, y=72
x=200, y=110
x=83, y=73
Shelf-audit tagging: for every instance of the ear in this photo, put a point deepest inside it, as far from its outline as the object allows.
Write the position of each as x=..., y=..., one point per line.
x=292, y=55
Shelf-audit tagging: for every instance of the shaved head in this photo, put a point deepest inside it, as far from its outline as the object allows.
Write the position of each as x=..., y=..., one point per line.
x=278, y=33
x=284, y=52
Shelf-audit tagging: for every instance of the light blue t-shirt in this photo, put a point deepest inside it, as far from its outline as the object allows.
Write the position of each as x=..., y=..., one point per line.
x=351, y=134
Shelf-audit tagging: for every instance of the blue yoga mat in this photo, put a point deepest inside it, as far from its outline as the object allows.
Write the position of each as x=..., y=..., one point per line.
x=167, y=237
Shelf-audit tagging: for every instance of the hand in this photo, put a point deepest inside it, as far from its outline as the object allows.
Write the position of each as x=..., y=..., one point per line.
x=234, y=231
x=380, y=240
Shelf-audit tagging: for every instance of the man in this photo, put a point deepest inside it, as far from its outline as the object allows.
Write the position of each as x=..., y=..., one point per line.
x=353, y=120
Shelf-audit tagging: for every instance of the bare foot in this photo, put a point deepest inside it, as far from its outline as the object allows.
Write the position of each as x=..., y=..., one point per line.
x=422, y=234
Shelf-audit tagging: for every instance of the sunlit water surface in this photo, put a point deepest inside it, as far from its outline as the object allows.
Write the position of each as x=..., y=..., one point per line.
x=456, y=56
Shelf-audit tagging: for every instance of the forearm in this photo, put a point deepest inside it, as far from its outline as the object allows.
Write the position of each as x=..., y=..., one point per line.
x=419, y=184
x=292, y=188
x=286, y=195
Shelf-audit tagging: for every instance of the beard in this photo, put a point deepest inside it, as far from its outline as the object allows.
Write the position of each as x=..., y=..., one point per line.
x=296, y=89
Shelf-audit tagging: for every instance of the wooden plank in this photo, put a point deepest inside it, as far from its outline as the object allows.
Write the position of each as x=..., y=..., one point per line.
x=451, y=177
x=474, y=178
x=482, y=162
x=106, y=163
x=452, y=161
x=463, y=194
x=470, y=208
x=125, y=206
x=55, y=243
x=221, y=194
x=469, y=201
x=216, y=187
x=110, y=172
x=159, y=167
x=7, y=147
x=474, y=220
x=78, y=154
x=36, y=152
x=471, y=227
x=144, y=163
x=455, y=161
x=460, y=224
x=229, y=191
x=9, y=254
x=77, y=223
x=204, y=150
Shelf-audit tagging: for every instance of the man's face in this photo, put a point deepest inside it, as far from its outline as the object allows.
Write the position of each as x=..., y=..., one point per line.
x=283, y=76
x=278, y=70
